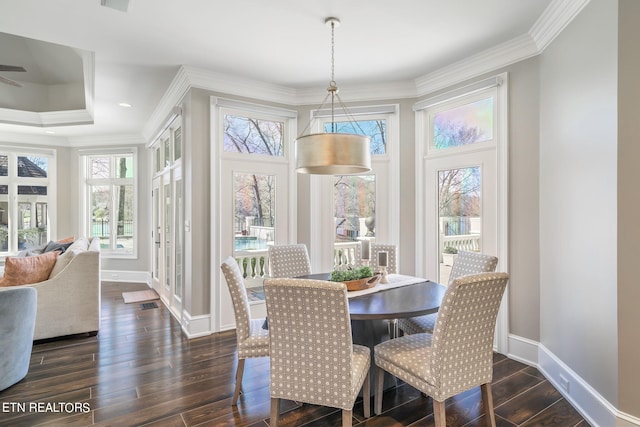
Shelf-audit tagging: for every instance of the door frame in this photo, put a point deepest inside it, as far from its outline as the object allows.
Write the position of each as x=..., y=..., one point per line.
x=500, y=82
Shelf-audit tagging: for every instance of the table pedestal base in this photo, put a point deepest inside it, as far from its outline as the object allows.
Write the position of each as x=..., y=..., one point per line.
x=369, y=333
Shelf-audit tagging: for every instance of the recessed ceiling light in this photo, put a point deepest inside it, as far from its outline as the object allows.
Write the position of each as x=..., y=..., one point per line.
x=125, y=104
x=49, y=131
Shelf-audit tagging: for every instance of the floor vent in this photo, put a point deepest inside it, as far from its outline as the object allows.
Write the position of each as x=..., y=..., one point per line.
x=148, y=305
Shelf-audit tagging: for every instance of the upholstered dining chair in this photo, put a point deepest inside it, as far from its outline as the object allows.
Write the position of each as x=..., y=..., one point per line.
x=459, y=354
x=253, y=340
x=313, y=358
x=17, y=324
x=392, y=259
x=289, y=260
x=466, y=263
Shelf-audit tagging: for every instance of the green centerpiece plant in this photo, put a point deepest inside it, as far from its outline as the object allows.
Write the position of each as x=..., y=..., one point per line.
x=351, y=274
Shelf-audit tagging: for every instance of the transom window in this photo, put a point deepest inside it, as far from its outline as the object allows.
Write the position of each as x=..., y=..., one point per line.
x=376, y=130
x=462, y=125
x=251, y=135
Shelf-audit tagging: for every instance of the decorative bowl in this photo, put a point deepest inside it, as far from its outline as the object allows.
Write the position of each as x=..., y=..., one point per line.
x=364, y=283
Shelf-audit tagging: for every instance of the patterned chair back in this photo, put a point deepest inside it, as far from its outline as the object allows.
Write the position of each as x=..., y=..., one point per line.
x=289, y=260
x=462, y=346
x=392, y=258
x=310, y=341
x=235, y=282
x=472, y=263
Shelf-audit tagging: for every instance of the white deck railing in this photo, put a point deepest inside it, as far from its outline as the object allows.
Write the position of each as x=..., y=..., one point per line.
x=254, y=264
x=462, y=242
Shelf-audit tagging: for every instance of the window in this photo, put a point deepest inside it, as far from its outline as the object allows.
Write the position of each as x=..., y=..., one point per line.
x=250, y=135
x=111, y=197
x=463, y=124
x=26, y=179
x=255, y=216
x=355, y=195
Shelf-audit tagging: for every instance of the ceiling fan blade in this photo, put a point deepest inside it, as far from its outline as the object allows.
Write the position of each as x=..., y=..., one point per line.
x=9, y=82
x=11, y=68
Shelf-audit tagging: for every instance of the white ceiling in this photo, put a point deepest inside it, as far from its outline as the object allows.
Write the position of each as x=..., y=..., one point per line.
x=282, y=42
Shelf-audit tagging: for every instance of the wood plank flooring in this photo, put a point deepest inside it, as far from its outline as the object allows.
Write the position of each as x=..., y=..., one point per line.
x=140, y=370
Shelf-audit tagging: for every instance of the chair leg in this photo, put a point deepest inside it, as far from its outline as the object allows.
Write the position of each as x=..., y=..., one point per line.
x=440, y=419
x=487, y=402
x=239, y=372
x=378, y=397
x=366, y=395
x=275, y=412
x=347, y=417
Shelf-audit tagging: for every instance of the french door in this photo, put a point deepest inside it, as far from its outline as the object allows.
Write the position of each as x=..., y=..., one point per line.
x=461, y=209
x=167, y=228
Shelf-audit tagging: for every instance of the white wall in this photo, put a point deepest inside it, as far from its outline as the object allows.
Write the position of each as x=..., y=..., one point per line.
x=578, y=215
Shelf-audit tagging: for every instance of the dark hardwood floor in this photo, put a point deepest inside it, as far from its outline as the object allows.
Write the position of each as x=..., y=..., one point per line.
x=141, y=370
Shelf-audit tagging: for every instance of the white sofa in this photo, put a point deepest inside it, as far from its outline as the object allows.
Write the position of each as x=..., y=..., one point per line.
x=69, y=301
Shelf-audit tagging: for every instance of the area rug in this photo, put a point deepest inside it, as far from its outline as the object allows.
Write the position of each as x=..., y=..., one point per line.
x=139, y=296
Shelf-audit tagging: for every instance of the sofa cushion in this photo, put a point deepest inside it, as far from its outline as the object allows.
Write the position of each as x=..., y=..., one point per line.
x=27, y=270
x=82, y=243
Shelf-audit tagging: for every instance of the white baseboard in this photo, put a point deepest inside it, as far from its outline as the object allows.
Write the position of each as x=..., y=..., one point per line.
x=196, y=326
x=126, y=276
x=626, y=420
x=594, y=408
x=591, y=404
x=523, y=350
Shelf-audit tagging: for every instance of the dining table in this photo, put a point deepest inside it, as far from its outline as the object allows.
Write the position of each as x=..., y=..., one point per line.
x=374, y=309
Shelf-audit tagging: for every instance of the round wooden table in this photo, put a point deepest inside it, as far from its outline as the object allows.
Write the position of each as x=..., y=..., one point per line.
x=394, y=303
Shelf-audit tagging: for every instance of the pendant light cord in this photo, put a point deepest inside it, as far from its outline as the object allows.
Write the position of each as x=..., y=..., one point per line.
x=332, y=83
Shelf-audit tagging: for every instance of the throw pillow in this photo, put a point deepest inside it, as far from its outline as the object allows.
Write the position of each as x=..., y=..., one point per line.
x=28, y=270
x=56, y=246
x=69, y=239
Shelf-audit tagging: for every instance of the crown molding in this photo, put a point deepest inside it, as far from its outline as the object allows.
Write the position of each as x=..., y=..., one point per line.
x=218, y=82
x=504, y=54
x=178, y=88
x=553, y=20
x=192, y=77
x=45, y=119
x=354, y=93
x=105, y=140
x=31, y=139
x=71, y=142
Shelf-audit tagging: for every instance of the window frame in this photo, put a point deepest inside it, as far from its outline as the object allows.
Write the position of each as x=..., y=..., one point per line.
x=87, y=182
x=13, y=181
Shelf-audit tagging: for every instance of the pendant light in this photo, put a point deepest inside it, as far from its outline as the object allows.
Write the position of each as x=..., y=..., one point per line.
x=333, y=153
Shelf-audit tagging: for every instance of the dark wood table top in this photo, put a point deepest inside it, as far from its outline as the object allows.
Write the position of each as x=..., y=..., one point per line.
x=395, y=303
